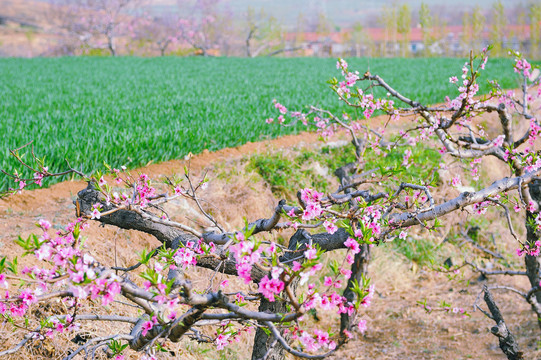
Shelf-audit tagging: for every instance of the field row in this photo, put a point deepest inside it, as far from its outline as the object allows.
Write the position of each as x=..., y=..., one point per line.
x=129, y=111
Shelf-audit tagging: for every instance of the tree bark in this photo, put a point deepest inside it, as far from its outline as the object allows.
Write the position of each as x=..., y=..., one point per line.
x=265, y=346
x=111, y=44
x=358, y=269
x=533, y=262
x=508, y=344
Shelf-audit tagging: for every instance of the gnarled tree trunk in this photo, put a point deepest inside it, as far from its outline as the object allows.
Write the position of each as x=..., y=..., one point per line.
x=265, y=345
x=358, y=269
x=533, y=262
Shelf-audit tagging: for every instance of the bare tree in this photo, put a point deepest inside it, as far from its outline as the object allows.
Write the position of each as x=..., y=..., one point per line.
x=92, y=24
x=159, y=32
x=207, y=27
x=264, y=32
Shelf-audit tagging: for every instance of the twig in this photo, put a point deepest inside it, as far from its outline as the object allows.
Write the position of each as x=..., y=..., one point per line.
x=98, y=339
x=292, y=351
x=480, y=247
x=507, y=341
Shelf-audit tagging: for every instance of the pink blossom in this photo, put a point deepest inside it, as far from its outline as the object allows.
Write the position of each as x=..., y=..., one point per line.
x=346, y=273
x=456, y=181
x=312, y=211
x=44, y=252
x=362, y=326
x=330, y=226
x=221, y=341
x=310, y=254
x=341, y=64
x=308, y=195
x=328, y=281
x=3, y=281
x=281, y=108
x=95, y=214
x=296, y=266
x=524, y=66
x=353, y=245
x=27, y=297
x=239, y=297
x=178, y=190
x=499, y=141
x=185, y=257
x=18, y=310
x=405, y=160
x=38, y=178
x=351, y=78
x=147, y=325
x=245, y=272
x=44, y=224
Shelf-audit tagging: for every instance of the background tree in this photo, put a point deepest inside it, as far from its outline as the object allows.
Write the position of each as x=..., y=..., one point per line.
x=264, y=32
x=403, y=27
x=498, y=29
x=93, y=24
x=389, y=20
x=467, y=31
x=157, y=32
x=478, y=27
x=359, y=41
x=535, y=30
x=426, y=23
x=207, y=27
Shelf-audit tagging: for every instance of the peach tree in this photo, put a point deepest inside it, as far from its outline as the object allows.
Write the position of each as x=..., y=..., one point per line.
x=285, y=284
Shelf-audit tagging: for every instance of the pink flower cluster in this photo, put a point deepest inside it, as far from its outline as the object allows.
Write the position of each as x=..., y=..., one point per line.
x=271, y=287
x=534, y=250
x=185, y=257
x=371, y=219
x=406, y=158
x=481, y=208
x=522, y=66
x=144, y=191
x=246, y=255
x=474, y=172
x=312, y=199
x=313, y=342
x=281, y=108
x=79, y=270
